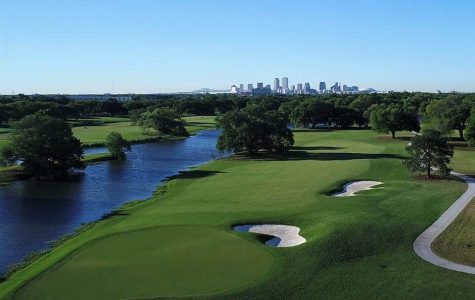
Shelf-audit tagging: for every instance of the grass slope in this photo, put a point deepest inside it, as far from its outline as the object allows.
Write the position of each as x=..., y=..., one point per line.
x=457, y=243
x=358, y=247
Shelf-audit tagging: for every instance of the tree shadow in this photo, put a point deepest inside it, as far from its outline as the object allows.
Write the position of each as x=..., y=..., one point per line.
x=303, y=155
x=193, y=174
x=308, y=148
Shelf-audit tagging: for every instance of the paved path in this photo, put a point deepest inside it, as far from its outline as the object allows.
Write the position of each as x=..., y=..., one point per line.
x=423, y=243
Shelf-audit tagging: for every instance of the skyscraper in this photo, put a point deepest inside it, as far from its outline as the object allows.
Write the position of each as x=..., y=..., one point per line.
x=276, y=85
x=260, y=85
x=299, y=88
x=241, y=87
x=249, y=88
x=285, y=85
x=322, y=87
x=306, y=88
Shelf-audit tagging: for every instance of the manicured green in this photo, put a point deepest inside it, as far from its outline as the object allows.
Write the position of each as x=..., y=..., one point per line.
x=181, y=261
x=357, y=247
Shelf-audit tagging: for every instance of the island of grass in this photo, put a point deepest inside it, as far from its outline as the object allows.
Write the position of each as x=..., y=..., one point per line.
x=355, y=249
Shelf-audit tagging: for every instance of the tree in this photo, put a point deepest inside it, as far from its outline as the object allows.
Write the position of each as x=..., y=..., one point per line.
x=45, y=145
x=447, y=114
x=391, y=118
x=311, y=113
x=117, y=145
x=470, y=129
x=253, y=129
x=344, y=117
x=429, y=150
x=166, y=121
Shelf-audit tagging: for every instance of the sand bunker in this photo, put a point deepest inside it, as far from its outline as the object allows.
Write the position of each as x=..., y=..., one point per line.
x=351, y=188
x=284, y=235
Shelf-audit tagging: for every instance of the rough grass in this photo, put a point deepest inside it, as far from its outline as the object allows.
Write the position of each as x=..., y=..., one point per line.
x=357, y=248
x=457, y=243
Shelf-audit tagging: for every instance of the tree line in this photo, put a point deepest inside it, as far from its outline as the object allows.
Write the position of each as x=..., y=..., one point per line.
x=249, y=124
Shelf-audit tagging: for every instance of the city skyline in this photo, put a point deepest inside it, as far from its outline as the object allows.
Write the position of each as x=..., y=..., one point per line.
x=148, y=46
x=298, y=88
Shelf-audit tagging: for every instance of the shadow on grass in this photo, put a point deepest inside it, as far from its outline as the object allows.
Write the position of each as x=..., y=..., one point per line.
x=193, y=174
x=309, y=148
x=303, y=155
x=113, y=214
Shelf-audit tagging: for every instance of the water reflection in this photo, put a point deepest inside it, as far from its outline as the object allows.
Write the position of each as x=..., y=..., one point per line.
x=33, y=213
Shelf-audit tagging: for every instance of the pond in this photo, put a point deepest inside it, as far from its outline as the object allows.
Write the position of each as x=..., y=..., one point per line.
x=34, y=213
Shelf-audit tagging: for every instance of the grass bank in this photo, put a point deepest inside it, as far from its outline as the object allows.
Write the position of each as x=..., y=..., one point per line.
x=457, y=242
x=93, y=131
x=95, y=135
x=358, y=247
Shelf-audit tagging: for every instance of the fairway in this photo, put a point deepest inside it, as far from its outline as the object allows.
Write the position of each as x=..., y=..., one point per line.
x=167, y=261
x=97, y=134
x=357, y=247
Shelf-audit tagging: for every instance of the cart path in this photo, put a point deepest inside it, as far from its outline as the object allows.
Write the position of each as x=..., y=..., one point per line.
x=422, y=245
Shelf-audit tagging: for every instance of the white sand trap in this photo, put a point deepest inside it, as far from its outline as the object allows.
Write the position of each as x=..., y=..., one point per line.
x=284, y=235
x=351, y=188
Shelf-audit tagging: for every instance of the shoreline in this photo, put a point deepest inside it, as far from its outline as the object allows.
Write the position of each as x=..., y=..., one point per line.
x=160, y=190
x=14, y=173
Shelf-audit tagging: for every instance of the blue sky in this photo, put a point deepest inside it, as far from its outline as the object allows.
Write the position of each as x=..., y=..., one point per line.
x=148, y=46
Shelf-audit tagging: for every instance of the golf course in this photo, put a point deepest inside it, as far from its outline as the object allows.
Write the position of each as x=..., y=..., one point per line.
x=181, y=242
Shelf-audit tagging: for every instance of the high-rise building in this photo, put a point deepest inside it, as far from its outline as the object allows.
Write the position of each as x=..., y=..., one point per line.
x=234, y=89
x=276, y=85
x=260, y=85
x=306, y=88
x=322, y=86
x=292, y=88
x=336, y=88
x=285, y=85
x=249, y=87
x=241, y=87
x=299, y=88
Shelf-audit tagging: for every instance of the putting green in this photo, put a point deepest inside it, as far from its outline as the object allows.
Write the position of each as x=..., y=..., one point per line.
x=164, y=261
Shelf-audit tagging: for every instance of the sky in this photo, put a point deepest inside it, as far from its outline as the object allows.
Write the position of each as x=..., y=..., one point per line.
x=158, y=46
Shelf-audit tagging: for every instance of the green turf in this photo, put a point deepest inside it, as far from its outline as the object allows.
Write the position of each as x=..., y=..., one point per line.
x=180, y=261
x=97, y=134
x=457, y=243
x=357, y=248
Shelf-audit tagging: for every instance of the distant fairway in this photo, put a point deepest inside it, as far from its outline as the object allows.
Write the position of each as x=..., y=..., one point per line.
x=166, y=261
x=95, y=130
